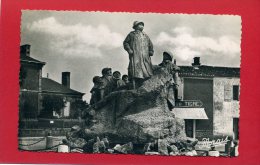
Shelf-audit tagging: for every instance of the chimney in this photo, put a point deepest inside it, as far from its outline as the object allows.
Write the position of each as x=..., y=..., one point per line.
x=66, y=79
x=196, y=61
x=25, y=49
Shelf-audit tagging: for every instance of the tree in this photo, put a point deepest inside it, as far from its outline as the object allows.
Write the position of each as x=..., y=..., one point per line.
x=52, y=103
x=79, y=106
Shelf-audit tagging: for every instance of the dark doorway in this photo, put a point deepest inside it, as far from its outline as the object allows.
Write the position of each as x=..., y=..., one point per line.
x=189, y=127
x=236, y=128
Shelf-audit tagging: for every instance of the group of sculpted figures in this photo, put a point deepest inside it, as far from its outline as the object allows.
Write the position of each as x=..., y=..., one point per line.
x=140, y=49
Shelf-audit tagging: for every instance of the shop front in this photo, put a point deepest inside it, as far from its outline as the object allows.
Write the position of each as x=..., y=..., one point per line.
x=191, y=116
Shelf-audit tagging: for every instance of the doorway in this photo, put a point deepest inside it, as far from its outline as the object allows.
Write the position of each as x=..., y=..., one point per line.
x=236, y=128
x=190, y=127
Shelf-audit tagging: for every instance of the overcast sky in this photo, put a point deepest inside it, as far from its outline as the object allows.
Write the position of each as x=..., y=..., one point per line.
x=85, y=42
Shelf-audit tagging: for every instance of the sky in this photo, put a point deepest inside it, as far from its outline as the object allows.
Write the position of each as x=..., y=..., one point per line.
x=85, y=42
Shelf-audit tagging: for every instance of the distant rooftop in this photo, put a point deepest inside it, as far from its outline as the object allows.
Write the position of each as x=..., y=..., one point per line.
x=208, y=71
x=25, y=58
x=52, y=86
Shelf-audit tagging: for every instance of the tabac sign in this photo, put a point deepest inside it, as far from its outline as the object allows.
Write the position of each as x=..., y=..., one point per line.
x=189, y=103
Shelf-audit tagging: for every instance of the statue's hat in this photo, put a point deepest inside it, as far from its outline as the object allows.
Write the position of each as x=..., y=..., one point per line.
x=137, y=23
x=167, y=55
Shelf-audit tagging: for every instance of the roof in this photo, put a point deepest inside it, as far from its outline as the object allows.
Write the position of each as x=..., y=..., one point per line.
x=190, y=113
x=52, y=86
x=29, y=59
x=208, y=71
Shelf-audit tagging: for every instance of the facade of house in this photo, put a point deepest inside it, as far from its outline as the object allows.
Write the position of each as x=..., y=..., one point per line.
x=30, y=83
x=217, y=88
x=70, y=96
x=34, y=87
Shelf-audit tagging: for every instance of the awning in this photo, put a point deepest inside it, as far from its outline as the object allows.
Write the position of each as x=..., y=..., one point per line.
x=190, y=113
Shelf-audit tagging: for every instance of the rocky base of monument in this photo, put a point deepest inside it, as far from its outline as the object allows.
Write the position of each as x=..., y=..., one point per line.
x=132, y=118
x=77, y=143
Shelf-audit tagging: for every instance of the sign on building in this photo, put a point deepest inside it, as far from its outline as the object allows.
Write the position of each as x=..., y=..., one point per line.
x=189, y=103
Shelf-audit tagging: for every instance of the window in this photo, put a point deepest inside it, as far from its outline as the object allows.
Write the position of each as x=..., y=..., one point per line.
x=235, y=92
x=227, y=92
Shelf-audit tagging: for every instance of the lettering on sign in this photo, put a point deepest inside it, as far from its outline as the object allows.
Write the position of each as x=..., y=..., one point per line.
x=189, y=103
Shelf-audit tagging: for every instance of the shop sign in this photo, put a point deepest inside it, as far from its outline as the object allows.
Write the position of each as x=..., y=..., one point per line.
x=189, y=103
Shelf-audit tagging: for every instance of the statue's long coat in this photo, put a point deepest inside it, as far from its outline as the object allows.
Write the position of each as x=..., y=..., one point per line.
x=140, y=65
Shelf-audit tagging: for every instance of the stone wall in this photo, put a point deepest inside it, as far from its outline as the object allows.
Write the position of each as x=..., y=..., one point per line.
x=224, y=109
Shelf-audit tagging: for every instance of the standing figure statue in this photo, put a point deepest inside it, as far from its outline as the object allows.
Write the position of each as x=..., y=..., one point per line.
x=173, y=69
x=140, y=48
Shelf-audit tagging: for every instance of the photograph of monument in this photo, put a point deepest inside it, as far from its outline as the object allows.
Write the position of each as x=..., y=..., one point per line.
x=129, y=83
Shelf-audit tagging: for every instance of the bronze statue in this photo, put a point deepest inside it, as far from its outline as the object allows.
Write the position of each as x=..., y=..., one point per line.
x=140, y=48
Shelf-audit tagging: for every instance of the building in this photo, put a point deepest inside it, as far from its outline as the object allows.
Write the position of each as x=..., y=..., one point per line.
x=30, y=83
x=34, y=88
x=70, y=96
x=211, y=95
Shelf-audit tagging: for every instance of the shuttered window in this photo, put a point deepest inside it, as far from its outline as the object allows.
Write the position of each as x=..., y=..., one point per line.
x=227, y=92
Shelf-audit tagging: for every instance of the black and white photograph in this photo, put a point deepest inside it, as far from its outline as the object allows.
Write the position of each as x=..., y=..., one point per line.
x=129, y=83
